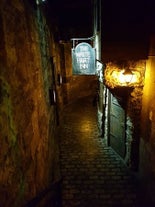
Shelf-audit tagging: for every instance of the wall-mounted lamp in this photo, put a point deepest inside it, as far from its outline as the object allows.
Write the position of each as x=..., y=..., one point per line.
x=128, y=75
x=115, y=77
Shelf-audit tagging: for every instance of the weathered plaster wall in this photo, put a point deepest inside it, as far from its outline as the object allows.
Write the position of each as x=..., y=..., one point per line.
x=147, y=143
x=29, y=152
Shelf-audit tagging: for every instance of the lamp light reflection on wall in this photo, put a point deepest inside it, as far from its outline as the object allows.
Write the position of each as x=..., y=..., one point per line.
x=115, y=77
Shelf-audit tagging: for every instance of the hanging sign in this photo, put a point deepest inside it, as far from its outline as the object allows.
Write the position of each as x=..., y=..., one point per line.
x=83, y=59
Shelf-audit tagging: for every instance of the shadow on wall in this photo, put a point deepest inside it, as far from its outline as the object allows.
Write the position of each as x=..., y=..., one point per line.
x=80, y=86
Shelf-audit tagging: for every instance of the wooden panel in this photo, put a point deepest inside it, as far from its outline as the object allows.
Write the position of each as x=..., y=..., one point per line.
x=117, y=127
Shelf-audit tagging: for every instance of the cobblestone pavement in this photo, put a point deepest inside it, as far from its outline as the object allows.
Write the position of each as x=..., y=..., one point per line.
x=93, y=175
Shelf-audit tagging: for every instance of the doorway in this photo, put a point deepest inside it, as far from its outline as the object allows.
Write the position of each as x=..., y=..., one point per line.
x=116, y=135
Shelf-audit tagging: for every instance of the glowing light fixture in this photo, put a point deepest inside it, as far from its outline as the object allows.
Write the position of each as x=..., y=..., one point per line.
x=128, y=75
x=115, y=77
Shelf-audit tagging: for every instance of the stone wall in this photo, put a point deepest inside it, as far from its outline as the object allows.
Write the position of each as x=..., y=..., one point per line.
x=132, y=104
x=29, y=150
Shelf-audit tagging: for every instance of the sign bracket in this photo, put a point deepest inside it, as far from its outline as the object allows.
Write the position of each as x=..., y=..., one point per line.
x=76, y=40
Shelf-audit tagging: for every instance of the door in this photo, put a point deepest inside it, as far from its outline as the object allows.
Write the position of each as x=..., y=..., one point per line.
x=117, y=126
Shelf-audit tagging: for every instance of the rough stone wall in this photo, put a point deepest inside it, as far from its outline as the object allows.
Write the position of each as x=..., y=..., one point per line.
x=28, y=155
x=132, y=97
x=133, y=127
x=147, y=144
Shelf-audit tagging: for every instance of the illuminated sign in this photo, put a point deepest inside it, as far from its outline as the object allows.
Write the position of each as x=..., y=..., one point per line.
x=83, y=59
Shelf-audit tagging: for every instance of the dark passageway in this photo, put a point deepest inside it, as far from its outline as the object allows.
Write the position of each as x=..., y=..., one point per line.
x=93, y=175
x=55, y=145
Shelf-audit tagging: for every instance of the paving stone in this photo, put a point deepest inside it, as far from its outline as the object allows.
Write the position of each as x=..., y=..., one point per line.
x=93, y=174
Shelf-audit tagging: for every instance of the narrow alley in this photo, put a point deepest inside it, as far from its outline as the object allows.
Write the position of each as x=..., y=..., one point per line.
x=92, y=174
x=57, y=147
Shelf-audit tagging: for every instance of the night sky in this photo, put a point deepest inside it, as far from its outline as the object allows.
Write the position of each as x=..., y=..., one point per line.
x=128, y=19
x=121, y=19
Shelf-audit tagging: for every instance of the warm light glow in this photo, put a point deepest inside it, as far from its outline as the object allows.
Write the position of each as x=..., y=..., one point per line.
x=124, y=78
x=128, y=75
x=115, y=77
